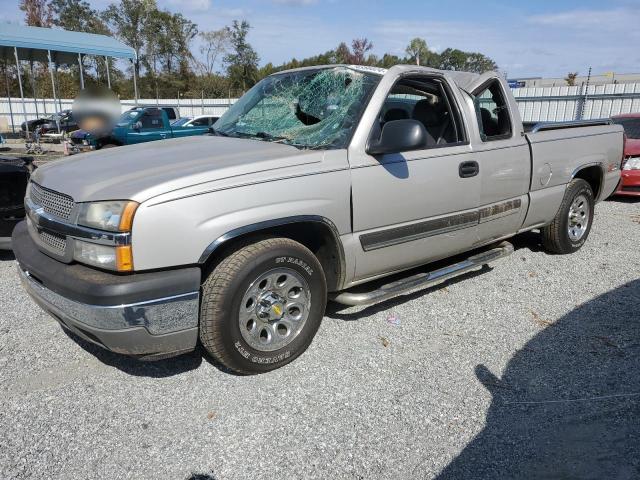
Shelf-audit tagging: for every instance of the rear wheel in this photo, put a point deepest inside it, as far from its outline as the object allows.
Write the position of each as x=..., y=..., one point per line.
x=571, y=226
x=262, y=305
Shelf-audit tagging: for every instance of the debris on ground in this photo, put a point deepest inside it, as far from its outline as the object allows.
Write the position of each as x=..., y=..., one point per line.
x=393, y=320
x=539, y=320
x=385, y=341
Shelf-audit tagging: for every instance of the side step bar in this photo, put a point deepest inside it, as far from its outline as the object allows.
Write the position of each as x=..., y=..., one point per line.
x=424, y=280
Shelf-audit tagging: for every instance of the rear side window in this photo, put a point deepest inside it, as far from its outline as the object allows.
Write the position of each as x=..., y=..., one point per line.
x=492, y=113
x=152, y=119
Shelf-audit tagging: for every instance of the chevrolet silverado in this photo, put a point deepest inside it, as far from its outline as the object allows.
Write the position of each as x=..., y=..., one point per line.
x=316, y=181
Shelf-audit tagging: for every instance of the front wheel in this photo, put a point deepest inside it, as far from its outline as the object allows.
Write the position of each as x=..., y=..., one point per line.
x=262, y=305
x=572, y=224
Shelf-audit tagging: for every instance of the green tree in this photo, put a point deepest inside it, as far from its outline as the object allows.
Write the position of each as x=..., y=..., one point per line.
x=78, y=16
x=130, y=20
x=454, y=59
x=242, y=61
x=418, y=51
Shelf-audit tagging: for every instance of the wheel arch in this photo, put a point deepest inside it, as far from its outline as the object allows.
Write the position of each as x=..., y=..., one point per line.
x=317, y=233
x=593, y=174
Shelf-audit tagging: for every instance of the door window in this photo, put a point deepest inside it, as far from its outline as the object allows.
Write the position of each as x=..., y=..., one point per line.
x=152, y=119
x=492, y=113
x=425, y=100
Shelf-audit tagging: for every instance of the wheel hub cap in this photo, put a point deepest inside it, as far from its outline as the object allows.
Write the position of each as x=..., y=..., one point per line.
x=270, y=306
x=274, y=309
x=578, y=218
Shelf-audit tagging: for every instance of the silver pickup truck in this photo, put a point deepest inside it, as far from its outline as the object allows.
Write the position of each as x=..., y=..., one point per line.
x=316, y=181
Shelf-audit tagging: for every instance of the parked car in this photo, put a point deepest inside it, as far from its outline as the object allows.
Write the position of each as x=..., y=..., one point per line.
x=138, y=125
x=630, y=184
x=14, y=176
x=197, y=121
x=306, y=190
x=50, y=124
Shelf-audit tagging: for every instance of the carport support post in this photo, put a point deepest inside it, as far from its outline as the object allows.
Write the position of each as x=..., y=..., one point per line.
x=33, y=88
x=24, y=109
x=135, y=82
x=81, y=74
x=6, y=77
x=53, y=87
x=106, y=62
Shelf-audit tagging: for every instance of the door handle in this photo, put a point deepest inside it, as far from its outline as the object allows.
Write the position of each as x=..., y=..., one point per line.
x=468, y=169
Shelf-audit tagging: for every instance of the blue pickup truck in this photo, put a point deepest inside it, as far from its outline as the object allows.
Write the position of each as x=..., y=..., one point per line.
x=138, y=125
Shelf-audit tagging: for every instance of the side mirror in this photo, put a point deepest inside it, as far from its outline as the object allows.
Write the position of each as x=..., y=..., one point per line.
x=137, y=125
x=399, y=136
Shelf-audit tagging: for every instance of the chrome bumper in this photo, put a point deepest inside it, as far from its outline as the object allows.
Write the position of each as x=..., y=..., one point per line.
x=160, y=327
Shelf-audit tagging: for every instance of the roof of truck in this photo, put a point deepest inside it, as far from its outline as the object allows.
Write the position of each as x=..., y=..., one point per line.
x=462, y=79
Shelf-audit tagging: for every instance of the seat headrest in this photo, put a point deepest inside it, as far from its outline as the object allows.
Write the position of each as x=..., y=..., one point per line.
x=426, y=112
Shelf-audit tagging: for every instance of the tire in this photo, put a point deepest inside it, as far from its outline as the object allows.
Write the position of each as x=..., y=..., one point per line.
x=571, y=226
x=108, y=145
x=253, y=318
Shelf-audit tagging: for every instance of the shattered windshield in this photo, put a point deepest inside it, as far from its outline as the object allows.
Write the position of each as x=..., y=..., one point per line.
x=307, y=109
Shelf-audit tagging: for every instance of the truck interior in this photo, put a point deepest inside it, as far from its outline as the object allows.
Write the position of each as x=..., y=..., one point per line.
x=426, y=100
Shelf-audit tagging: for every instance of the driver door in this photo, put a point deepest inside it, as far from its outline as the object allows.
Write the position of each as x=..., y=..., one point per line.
x=415, y=207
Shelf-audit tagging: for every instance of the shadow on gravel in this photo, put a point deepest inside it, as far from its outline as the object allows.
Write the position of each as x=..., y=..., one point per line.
x=568, y=403
x=132, y=366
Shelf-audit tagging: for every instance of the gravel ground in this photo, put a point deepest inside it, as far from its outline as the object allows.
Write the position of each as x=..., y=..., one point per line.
x=529, y=370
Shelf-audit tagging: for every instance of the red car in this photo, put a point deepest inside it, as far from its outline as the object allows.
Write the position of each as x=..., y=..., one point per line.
x=630, y=184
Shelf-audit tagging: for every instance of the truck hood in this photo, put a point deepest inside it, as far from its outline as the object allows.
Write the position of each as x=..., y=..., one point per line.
x=143, y=171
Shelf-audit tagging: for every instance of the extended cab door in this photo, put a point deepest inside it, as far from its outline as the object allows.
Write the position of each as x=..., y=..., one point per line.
x=502, y=151
x=413, y=207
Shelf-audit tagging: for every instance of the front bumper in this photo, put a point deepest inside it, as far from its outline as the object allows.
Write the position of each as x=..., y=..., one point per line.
x=147, y=314
x=630, y=183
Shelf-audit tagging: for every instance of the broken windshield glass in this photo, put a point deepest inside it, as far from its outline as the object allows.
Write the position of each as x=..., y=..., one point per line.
x=309, y=109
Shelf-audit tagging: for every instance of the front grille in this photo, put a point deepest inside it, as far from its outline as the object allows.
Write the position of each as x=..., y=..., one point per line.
x=54, y=203
x=631, y=189
x=56, y=242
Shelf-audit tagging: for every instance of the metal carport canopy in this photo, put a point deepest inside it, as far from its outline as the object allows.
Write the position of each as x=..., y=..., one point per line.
x=33, y=43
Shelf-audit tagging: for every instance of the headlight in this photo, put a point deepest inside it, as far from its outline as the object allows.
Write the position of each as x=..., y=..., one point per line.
x=114, y=216
x=85, y=142
x=632, y=164
x=103, y=256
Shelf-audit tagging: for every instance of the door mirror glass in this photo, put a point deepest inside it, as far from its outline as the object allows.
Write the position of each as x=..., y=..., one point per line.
x=399, y=136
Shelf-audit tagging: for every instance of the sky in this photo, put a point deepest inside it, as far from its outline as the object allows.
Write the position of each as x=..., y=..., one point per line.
x=526, y=38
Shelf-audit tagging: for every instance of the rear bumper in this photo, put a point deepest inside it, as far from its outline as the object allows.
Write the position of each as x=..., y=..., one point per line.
x=146, y=314
x=630, y=183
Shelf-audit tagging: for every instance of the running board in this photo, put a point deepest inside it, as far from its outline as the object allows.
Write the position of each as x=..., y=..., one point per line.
x=424, y=280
